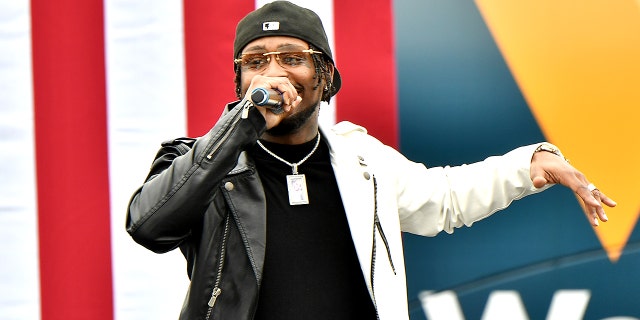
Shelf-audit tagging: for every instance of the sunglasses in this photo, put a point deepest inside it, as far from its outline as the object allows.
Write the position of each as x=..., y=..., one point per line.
x=287, y=60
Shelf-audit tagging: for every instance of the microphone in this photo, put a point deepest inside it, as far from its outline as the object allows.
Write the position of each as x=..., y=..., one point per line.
x=269, y=98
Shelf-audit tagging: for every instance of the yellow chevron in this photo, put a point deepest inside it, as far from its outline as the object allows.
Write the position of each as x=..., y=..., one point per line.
x=578, y=66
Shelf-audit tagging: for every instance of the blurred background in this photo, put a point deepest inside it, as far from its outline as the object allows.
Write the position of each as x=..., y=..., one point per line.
x=89, y=89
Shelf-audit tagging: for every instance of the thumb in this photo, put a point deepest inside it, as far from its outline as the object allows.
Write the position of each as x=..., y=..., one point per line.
x=539, y=181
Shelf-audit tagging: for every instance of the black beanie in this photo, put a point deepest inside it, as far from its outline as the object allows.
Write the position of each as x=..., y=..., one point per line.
x=283, y=18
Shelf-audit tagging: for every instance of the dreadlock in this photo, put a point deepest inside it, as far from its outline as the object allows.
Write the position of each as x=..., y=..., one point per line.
x=237, y=81
x=322, y=69
x=321, y=64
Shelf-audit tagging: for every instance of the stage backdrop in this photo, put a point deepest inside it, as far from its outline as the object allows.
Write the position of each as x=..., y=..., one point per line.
x=88, y=90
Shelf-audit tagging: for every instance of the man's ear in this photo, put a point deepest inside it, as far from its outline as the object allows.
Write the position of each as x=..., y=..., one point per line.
x=331, y=70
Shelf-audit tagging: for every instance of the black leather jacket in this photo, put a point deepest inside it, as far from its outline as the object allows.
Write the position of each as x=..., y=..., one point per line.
x=189, y=200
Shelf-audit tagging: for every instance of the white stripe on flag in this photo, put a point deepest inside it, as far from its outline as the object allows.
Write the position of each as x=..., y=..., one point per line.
x=19, y=296
x=146, y=105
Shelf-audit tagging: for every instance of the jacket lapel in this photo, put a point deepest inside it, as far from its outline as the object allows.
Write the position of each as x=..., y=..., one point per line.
x=356, y=189
x=249, y=210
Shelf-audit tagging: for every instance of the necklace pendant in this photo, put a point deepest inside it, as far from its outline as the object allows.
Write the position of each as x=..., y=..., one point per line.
x=297, y=189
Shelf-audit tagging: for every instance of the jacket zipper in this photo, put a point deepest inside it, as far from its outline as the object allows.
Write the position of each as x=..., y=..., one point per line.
x=216, y=288
x=386, y=243
x=217, y=291
x=244, y=114
x=373, y=271
x=377, y=225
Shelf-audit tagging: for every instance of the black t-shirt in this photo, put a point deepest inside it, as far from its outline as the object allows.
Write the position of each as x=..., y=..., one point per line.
x=311, y=270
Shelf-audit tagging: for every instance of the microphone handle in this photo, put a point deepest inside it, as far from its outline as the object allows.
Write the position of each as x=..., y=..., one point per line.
x=268, y=98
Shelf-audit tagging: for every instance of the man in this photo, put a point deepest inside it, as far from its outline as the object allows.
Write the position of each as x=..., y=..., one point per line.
x=281, y=219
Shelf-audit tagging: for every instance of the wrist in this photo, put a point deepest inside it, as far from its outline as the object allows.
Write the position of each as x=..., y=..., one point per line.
x=548, y=147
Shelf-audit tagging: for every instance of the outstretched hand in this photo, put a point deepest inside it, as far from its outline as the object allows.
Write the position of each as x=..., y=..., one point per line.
x=548, y=168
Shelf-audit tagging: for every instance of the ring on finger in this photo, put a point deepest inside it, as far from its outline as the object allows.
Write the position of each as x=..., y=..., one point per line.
x=591, y=187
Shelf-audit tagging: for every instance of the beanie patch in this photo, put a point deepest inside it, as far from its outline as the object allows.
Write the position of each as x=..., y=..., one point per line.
x=271, y=26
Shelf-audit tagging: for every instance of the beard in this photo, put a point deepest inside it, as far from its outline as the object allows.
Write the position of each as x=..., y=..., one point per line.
x=294, y=122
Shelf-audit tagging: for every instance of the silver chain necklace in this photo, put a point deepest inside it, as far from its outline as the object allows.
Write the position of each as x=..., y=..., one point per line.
x=294, y=166
x=296, y=183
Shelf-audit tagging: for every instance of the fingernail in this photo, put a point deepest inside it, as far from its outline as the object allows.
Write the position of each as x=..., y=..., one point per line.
x=595, y=222
x=604, y=217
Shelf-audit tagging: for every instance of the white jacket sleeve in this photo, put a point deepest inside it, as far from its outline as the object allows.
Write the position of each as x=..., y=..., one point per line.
x=444, y=198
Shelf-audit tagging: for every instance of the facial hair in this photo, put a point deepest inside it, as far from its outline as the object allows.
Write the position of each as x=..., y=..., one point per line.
x=294, y=122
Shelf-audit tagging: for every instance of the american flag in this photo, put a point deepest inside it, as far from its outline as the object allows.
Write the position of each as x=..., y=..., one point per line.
x=88, y=90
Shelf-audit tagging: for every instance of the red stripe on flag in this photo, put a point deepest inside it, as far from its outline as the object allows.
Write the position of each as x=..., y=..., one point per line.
x=71, y=159
x=209, y=30
x=366, y=59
